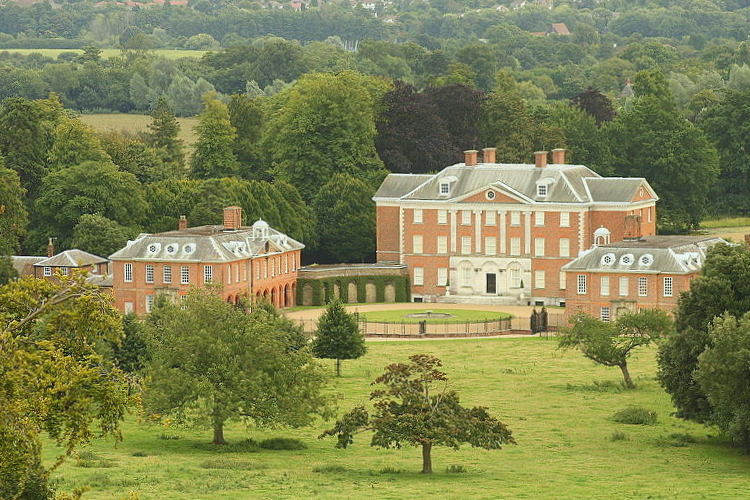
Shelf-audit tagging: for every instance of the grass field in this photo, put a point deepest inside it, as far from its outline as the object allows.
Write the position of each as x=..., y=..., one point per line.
x=457, y=315
x=137, y=123
x=558, y=404
x=107, y=53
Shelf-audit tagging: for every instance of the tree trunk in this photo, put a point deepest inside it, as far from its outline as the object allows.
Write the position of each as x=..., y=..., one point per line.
x=219, y=433
x=338, y=367
x=626, y=375
x=426, y=458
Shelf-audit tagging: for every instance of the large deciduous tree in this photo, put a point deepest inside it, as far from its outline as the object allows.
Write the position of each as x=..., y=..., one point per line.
x=417, y=408
x=55, y=381
x=412, y=137
x=655, y=142
x=723, y=286
x=723, y=372
x=88, y=188
x=325, y=125
x=214, y=155
x=610, y=344
x=345, y=220
x=211, y=363
x=338, y=336
x=13, y=215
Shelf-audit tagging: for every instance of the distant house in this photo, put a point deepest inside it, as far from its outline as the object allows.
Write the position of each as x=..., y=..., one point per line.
x=642, y=273
x=558, y=29
x=63, y=263
x=241, y=261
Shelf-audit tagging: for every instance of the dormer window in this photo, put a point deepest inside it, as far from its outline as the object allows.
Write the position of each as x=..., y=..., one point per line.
x=444, y=186
x=542, y=187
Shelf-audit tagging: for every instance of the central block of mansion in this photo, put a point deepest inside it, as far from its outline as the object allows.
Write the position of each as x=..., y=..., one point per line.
x=485, y=229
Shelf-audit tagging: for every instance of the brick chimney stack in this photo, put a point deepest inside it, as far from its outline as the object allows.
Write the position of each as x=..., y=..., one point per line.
x=183, y=223
x=470, y=157
x=232, y=218
x=488, y=155
x=540, y=159
x=50, y=248
x=558, y=156
x=632, y=229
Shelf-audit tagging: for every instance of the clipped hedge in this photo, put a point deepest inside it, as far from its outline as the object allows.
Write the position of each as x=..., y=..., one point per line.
x=322, y=288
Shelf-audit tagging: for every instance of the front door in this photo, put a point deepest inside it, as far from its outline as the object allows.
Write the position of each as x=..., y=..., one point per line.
x=491, y=283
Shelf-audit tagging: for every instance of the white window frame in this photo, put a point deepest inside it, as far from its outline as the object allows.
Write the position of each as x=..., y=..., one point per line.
x=184, y=275
x=442, y=245
x=563, y=280
x=419, y=276
x=582, y=284
x=642, y=286
x=442, y=217
x=445, y=188
x=465, y=245
x=128, y=272
x=539, y=218
x=466, y=278
x=515, y=218
x=604, y=286
x=515, y=275
x=166, y=274
x=515, y=245
x=149, y=303
x=48, y=271
x=605, y=314
x=208, y=273
x=538, y=247
x=564, y=247
x=539, y=279
x=417, y=243
x=564, y=219
x=149, y=273
x=442, y=276
x=418, y=216
x=668, y=286
x=624, y=285
x=490, y=218
x=541, y=190
x=490, y=245
x=466, y=217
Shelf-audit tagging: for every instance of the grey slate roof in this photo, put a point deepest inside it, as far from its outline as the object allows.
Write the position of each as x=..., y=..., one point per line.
x=71, y=258
x=566, y=184
x=24, y=265
x=208, y=244
x=651, y=254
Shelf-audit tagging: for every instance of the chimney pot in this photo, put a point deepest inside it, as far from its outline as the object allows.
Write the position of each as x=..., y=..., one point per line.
x=558, y=156
x=470, y=157
x=183, y=223
x=540, y=159
x=488, y=155
x=232, y=218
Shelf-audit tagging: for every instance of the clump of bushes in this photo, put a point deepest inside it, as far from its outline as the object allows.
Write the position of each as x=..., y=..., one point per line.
x=635, y=415
x=619, y=436
x=282, y=444
x=455, y=469
x=329, y=469
x=391, y=470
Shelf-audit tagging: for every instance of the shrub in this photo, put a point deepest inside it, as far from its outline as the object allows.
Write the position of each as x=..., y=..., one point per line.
x=635, y=415
x=455, y=469
x=391, y=470
x=282, y=444
x=619, y=436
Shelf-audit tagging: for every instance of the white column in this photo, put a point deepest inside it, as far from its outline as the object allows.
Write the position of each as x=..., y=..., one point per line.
x=453, y=230
x=478, y=231
x=401, y=235
x=503, y=216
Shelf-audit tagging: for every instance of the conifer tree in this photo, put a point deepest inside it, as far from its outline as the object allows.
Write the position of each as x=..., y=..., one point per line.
x=338, y=336
x=214, y=151
x=164, y=131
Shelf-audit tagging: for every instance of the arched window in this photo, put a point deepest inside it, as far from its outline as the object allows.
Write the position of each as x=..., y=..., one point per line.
x=515, y=272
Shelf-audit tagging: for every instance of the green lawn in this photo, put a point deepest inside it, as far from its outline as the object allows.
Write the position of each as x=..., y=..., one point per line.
x=458, y=315
x=558, y=404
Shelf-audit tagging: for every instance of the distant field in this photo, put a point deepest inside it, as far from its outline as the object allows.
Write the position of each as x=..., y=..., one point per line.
x=107, y=53
x=137, y=123
x=558, y=405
